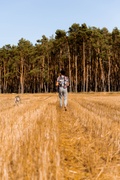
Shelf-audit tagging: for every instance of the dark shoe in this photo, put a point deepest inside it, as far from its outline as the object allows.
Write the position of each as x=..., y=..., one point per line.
x=65, y=109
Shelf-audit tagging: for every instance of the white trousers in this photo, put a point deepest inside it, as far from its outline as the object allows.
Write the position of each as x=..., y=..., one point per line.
x=63, y=95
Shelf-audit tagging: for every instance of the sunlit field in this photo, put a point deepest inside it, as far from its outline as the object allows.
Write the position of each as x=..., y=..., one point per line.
x=41, y=141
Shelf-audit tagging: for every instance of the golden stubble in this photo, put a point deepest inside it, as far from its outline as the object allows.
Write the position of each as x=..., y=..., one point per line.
x=39, y=140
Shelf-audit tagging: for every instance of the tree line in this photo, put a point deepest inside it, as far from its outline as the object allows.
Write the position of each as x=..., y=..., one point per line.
x=89, y=55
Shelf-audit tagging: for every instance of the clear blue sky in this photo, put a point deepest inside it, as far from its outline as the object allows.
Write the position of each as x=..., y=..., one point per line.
x=30, y=19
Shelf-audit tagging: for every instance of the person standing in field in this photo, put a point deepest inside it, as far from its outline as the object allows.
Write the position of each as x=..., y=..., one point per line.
x=62, y=84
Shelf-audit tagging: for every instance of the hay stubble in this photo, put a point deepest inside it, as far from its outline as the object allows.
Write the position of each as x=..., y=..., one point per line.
x=38, y=140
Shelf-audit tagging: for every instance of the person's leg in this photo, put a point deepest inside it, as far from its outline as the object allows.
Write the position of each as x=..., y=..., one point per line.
x=60, y=96
x=65, y=97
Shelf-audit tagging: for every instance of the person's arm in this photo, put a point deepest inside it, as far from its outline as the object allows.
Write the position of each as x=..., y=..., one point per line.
x=57, y=83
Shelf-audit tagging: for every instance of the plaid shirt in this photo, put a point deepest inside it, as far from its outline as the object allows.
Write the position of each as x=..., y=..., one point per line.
x=63, y=81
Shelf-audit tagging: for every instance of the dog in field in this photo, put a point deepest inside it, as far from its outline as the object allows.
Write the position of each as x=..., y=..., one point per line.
x=17, y=100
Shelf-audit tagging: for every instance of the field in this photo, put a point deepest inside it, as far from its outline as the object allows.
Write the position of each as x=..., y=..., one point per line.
x=41, y=141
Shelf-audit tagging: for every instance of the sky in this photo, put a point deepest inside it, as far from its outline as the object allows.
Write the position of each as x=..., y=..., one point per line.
x=31, y=19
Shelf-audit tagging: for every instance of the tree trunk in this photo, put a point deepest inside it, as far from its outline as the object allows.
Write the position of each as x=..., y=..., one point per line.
x=87, y=77
x=70, y=89
x=109, y=72
x=22, y=75
x=76, y=81
x=96, y=72
x=0, y=80
x=4, y=81
x=83, y=66
x=102, y=75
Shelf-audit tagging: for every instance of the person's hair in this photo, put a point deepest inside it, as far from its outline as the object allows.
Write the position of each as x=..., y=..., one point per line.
x=62, y=72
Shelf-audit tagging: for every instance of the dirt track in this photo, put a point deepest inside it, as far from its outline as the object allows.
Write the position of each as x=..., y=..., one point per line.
x=42, y=141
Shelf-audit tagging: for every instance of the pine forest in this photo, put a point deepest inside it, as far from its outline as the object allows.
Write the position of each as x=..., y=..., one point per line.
x=90, y=57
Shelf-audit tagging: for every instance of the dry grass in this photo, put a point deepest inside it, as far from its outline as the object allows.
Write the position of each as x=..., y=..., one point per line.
x=38, y=140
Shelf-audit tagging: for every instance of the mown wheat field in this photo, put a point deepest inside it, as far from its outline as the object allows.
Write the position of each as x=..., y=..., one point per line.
x=40, y=141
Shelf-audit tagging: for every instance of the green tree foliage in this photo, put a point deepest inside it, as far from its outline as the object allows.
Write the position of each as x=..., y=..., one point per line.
x=89, y=55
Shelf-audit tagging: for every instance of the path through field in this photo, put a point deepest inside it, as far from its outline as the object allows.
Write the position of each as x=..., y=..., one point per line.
x=41, y=141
